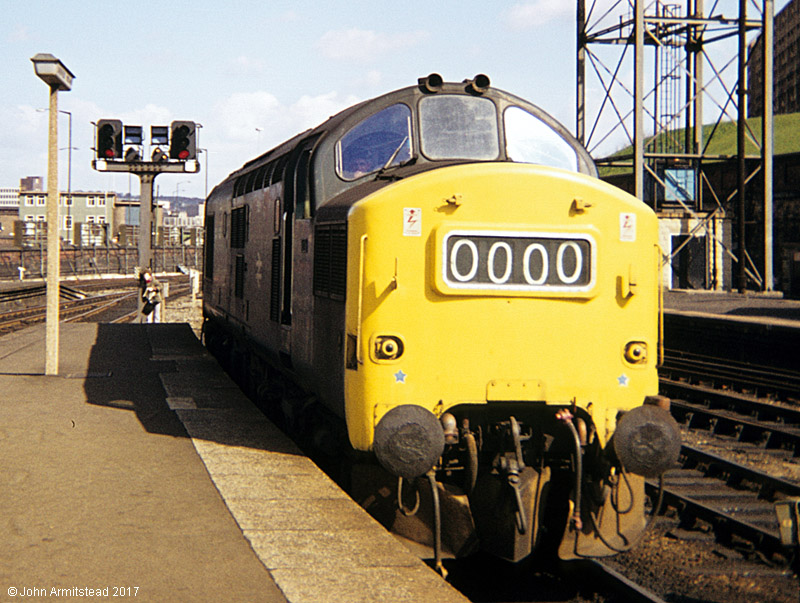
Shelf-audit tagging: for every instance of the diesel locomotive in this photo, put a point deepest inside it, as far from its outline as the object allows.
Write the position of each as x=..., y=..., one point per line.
x=435, y=284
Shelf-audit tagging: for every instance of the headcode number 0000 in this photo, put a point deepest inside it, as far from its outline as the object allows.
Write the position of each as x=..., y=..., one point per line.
x=517, y=261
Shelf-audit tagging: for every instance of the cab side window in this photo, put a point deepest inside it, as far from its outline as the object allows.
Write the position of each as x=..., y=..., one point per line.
x=382, y=139
x=530, y=140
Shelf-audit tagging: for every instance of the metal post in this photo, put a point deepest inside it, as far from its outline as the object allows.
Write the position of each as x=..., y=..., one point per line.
x=688, y=124
x=697, y=95
x=53, y=259
x=767, y=140
x=146, y=181
x=638, y=120
x=740, y=141
x=580, y=93
x=69, y=168
x=205, y=151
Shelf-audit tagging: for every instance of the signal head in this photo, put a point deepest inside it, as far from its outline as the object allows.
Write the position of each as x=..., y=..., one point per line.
x=183, y=140
x=132, y=155
x=108, y=143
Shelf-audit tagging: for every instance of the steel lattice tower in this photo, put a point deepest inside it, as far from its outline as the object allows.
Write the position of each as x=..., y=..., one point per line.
x=695, y=61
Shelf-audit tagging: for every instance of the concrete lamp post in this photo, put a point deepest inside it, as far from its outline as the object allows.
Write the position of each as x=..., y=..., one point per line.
x=55, y=74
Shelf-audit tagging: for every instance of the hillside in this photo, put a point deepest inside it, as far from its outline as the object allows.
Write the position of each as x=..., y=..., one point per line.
x=786, y=138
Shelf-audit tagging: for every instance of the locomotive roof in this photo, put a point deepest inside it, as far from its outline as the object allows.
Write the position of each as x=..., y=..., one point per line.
x=335, y=126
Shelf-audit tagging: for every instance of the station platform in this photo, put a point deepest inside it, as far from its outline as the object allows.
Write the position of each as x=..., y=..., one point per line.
x=142, y=471
x=749, y=306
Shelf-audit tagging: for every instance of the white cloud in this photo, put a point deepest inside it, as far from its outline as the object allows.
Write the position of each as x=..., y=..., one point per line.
x=25, y=120
x=229, y=132
x=248, y=66
x=241, y=113
x=309, y=111
x=373, y=78
x=149, y=115
x=23, y=142
x=365, y=45
x=527, y=15
x=246, y=124
x=20, y=33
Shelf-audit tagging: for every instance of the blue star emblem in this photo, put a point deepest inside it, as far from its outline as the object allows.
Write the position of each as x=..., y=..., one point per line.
x=400, y=377
x=623, y=380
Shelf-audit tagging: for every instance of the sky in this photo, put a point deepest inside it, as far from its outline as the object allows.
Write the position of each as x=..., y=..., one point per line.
x=255, y=73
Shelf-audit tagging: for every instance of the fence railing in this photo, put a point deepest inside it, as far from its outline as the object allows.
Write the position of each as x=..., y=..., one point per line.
x=31, y=262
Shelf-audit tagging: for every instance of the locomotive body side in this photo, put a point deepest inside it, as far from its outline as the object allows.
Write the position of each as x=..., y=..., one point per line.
x=240, y=259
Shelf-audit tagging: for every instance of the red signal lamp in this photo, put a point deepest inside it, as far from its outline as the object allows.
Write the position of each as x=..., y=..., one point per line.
x=109, y=139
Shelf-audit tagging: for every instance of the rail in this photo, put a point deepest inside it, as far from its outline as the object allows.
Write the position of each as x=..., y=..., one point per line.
x=79, y=308
x=736, y=501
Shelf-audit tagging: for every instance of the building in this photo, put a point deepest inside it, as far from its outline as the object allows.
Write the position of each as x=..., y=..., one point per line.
x=182, y=219
x=696, y=245
x=86, y=217
x=31, y=184
x=9, y=198
x=9, y=213
x=786, y=68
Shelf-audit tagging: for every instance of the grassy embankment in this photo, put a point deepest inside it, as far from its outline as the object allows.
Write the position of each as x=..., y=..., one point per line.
x=786, y=139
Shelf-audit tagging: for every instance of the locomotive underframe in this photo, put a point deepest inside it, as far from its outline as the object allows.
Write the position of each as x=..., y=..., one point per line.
x=543, y=481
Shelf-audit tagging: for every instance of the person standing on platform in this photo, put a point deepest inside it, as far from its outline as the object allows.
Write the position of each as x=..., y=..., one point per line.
x=151, y=296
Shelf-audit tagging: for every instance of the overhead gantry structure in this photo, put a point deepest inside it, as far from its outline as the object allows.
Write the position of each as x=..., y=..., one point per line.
x=661, y=69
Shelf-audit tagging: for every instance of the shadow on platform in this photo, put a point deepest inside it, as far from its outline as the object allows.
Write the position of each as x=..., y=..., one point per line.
x=164, y=375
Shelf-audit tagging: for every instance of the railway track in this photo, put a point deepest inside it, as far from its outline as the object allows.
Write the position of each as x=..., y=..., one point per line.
x=734, y=501
x=717, y=535
x=744, y=409
x=741, y=424
x=769, y=427
x=76, y=306
x=724, y=374
x=615, y=586
x=69, y=310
